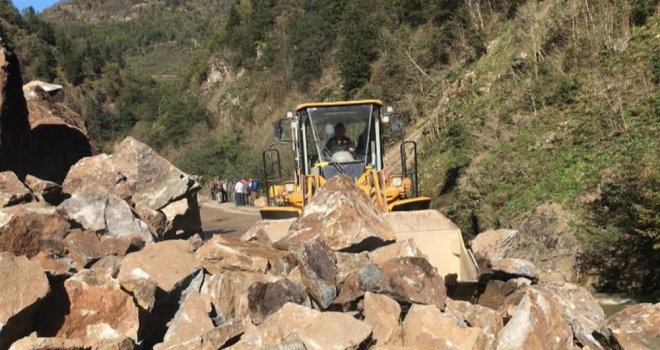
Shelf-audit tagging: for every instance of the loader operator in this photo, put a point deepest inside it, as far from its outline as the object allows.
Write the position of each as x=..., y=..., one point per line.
x=340, y=142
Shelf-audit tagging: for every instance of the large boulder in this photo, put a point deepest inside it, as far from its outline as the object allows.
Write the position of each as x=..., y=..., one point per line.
x=509, y=268
x=105, y=214
x=98, y=310
x=138, y=174
x=58, y=138
x=23, y=286
x=14, y=125
x=225, y=253
x=318, y=269
x=12, y=190
x=27, y=229
x=316, y=330
x=191, y=321
x=492, y=244
x=637, y=326
x=415, y=280
x=426, y=327
x=343, y=217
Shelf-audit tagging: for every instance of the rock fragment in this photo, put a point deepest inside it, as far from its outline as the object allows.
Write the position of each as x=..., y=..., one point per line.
x=45, y=190
x=399, y=249
x=190, y=322
x=38, y=343
x=12, y=190
x=490, y=321
x=266, y=298
x=637, y=326
x=382, y=313
x=26, y=229
x=415, y=280
x=492, y=245
x=319, y=271
x=513, y=268
x=426, y=327
x=23, y=286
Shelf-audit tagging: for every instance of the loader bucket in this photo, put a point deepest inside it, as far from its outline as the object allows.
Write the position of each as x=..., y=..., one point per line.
x=439, y=239
x=278, y=213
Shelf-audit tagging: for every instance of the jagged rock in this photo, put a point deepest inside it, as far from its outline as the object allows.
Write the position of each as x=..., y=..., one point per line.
x=56, y=266
x=137, y=173
x=44, y=190
x=12, y=190
x=36, y=89
x=382, y=313
x=426, y=327
x=106, y=214
x=316, y=330
x=14, y=125
x=26, y=229
x=85, y=244
x=266, y=298
x=492, y=244
x=157, y=276
x=536, y=323
x=397, y=249
x=274, y=342
x=513, y=268
x=38, y=343
x=229, y=293
x=490, y=321
x=108, y=265
x=213, y=339
x=268, y=231
x=497, y=291
x=98, y=310
x=343, y=217
x=23, y=286
x=124, y=343
x=368, y=278
x=225, y=253
x=58, y=138
x=637, y=326
x=318, y=270
x=120, y=246
x=191, y=321
x=415, y=280
x=348, y=262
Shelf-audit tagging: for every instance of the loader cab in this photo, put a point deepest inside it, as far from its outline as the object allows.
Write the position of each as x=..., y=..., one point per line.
x=340, y=137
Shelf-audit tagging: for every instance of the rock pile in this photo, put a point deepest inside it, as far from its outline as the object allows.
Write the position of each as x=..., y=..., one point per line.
x=338, y=288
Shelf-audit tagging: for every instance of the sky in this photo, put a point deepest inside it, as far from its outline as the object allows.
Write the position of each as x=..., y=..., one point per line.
x=37, y=4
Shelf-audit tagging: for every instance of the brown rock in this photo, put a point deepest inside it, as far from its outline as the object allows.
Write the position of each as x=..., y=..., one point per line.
x=85, y=244
x=397, y=249
x=26, y=229
x=115, y=344
x=344, y=218
x=490, y=321
x=425, y=327
x=47, y=191
x=105, y=214
x=99, y=310
x=512, y=268
x=57, y=267
x=213, y=339
x=318, y=270
x=108, y=265
x=14, y=125
x=120, y=246
x=382, y=313
x=96, y=175
x=182, y=217
x=37, y=343
x=225, y=253
x=12, y=190
x=536, y=323
x=349, y=262
x=637, y=326
x=190, y=322
x=492, y=244
x=317, y=330
x=415, y=280
x=23, y=286
x=58, y=139
x=229, y=293
x=369, y=278
x=496, y=293
x=266, y=298
x=268, y=231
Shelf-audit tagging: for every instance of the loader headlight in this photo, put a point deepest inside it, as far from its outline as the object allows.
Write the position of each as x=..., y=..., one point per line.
x=290, y=187
x=397, y=181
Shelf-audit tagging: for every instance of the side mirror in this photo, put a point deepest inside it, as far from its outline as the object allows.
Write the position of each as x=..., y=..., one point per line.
x=278, y=130
x=396, y=126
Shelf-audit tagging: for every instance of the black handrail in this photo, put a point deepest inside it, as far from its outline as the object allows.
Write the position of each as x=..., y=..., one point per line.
x=268, y=156
x=404, y=165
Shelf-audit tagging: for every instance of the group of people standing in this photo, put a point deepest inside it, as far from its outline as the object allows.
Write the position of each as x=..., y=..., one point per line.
x=241, y=190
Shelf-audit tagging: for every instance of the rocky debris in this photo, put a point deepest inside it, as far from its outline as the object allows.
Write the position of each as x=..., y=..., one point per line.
x=14, y=125
x=23, y=286
x=191, y=321
x=536, y=323
x=26, y=229
x=98, y=310
x=492, y=244
x=369, y=278
x=38, y=343
x=398, y=249
x=266, y=298
x=316, y=330
x=137, y=174
x=37, y=88
x=45, y=191
x=490, y=321
x=383, y=313
x=216, y=338
x=509, y=268
x=343, y=217
x=58, y=138
x=415, y=280
x=268, y=231
x=318, y=270
x=105, y=214
x=426, y=327
x=12, y=190
x=225, y=253
x=637, y=326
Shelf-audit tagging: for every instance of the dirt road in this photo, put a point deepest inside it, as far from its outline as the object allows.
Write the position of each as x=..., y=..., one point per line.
x=226, y=218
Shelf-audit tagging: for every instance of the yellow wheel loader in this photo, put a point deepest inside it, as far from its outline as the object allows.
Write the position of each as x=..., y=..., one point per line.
x=331, y=138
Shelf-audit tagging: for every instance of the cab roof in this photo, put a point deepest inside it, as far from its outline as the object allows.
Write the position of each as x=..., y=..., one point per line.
x=338, y=103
